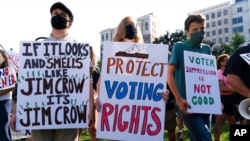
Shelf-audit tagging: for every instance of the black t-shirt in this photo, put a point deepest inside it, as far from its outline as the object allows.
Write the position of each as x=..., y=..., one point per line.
x=171, y=101
x=238, y=66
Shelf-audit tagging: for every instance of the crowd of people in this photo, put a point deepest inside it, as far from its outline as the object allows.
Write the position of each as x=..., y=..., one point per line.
x=233, y=77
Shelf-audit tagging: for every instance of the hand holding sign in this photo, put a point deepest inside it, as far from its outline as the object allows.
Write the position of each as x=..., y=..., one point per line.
x=183, y=105
x=165, y=96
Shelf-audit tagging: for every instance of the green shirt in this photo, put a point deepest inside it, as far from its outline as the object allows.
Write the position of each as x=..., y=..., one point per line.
x=177, y=59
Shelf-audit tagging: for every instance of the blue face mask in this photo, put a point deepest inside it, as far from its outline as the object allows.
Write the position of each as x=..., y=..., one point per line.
x=197, y=37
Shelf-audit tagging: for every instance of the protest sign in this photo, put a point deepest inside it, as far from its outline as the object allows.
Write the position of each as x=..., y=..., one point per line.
x=53, y=85
x=202, y=86
x=18, y=135
x=133, y=78
x=13, y=59
x=8, y=78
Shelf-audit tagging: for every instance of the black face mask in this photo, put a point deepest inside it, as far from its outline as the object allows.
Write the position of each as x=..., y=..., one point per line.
x=59, y=22
x=131, y=31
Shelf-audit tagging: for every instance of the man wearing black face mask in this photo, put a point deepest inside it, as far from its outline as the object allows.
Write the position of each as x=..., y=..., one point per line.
x=197, y=124
x=61, y=21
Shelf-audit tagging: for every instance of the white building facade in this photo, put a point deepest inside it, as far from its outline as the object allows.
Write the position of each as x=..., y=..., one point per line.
x=149, y=27
x=225, y=19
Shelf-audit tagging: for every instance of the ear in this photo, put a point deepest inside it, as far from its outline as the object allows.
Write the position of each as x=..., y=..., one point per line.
x=70, y=23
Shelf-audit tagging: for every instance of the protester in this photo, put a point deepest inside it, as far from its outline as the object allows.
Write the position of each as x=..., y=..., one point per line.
x=127, y=31
x=170, y=117
x=227, y=98
x=61, y=21
x=197, y=124
x=238, y=76
x=27, y=136
x=5, y=104
x=95, y=74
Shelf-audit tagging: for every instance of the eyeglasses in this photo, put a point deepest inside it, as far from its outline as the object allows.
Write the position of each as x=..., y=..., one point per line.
x=225, y=60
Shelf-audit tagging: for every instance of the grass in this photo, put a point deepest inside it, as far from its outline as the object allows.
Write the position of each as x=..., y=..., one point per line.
x=224, y=134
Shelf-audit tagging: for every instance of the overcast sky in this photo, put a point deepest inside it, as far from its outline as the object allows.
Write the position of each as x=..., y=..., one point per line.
x=28, y=19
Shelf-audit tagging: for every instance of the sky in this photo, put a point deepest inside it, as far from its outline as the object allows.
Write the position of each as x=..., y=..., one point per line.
x=25, y=20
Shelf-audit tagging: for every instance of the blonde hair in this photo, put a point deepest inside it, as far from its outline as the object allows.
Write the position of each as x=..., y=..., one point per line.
x=121, y=32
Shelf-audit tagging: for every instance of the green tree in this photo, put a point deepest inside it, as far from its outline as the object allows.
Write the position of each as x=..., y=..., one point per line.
x=165, y=39
x=219, y=49
x=171, y=38
x=226, y=48
x=235, y=42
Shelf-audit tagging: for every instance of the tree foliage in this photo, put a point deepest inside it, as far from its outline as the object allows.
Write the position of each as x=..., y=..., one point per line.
x=171, y=38
x=235, y=42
